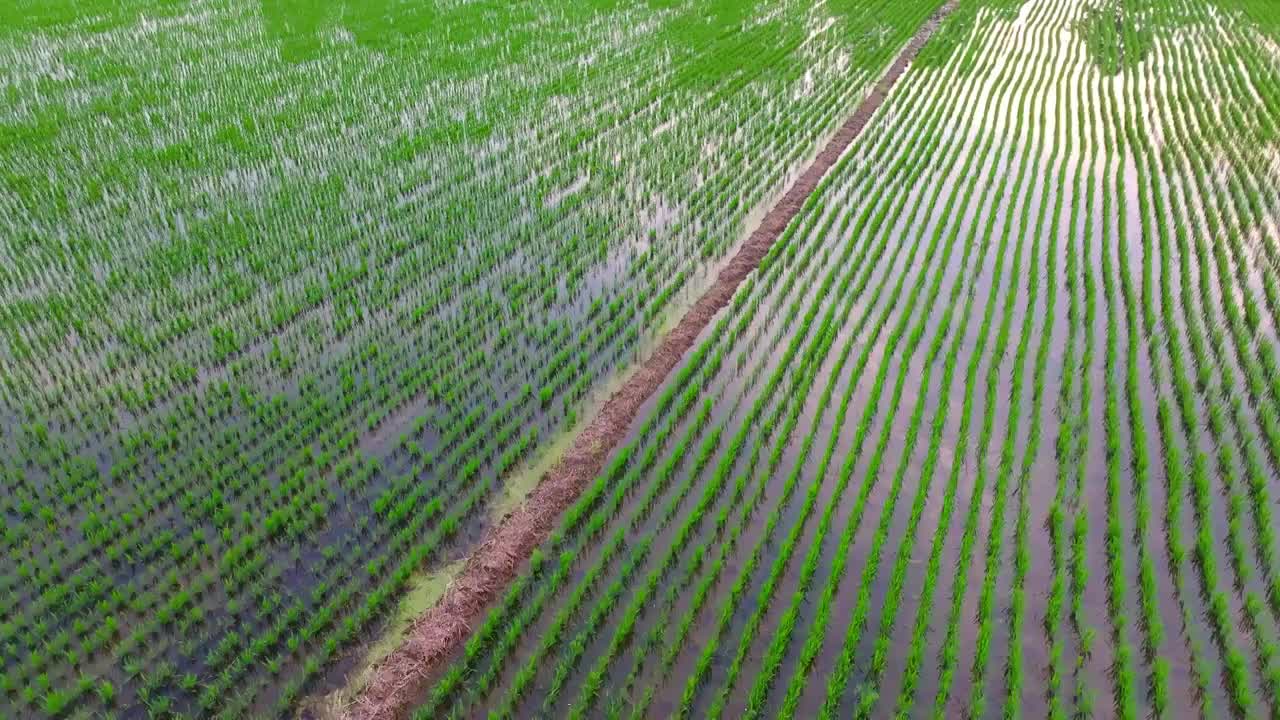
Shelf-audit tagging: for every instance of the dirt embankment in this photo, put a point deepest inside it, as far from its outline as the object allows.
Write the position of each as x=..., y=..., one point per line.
x=399, y=681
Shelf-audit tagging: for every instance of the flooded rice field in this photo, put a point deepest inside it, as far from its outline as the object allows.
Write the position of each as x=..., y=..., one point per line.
x=657, y=359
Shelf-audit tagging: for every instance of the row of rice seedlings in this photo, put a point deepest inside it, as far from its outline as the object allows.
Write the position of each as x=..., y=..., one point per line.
x=1083, y=630
x=995, y=541
x=1236, y=680
x=581, y=524
x=875, y=227
x=807, y=366
x=775, y=459
x=1128, y=696
x=577, y=645
x=1070, y=444
x=879, y=658
x=1182, y=388
x=774, y=655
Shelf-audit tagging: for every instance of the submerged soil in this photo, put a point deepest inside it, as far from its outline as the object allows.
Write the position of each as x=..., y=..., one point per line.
x=397, y=683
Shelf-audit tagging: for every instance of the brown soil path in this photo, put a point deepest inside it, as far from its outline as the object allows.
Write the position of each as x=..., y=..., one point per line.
x=399, y=681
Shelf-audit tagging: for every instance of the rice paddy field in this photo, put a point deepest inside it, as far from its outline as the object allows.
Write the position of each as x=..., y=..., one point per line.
x=300, y=301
